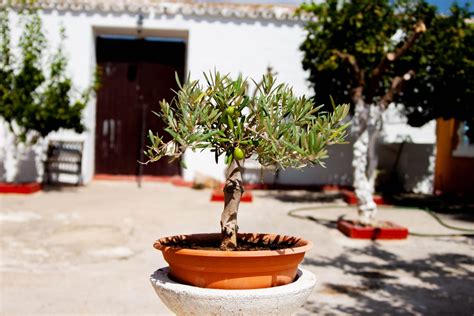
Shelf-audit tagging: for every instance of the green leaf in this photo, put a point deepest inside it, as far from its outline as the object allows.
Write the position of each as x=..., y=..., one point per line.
x=171, y=132
x=178, y=82
x=230, y=122
x=333, y=104
x=294, y=147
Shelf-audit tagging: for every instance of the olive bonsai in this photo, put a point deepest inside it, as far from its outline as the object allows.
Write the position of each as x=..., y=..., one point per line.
x=274, y=126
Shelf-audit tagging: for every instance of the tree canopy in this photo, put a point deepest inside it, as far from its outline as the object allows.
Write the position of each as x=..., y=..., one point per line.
x=276, y=126
x=36, y=95
x=392, y=51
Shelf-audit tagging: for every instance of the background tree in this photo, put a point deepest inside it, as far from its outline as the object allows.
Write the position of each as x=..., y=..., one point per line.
x=372, y=53
x=36, y=95
x=6, y=64
x=274, y=126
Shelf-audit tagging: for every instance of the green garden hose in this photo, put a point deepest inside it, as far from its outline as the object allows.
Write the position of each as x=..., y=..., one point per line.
x=465, y=231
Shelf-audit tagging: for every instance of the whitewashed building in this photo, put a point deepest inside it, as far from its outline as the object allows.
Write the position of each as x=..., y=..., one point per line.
x=139, y=44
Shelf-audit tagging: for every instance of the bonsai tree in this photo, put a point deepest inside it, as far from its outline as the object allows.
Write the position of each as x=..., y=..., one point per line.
x=373, y=53
x=36, y=95
x=273, y=126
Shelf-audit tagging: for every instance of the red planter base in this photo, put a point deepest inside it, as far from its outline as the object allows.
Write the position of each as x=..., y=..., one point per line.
x=21, y=188
x=387, y=230
x=218, y=196
x=351, y=199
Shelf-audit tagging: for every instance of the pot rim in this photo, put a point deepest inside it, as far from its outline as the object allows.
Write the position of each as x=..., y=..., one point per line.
x=306, y=246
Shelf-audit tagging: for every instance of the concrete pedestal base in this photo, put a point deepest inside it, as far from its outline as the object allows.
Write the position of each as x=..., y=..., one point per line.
x=189, y=300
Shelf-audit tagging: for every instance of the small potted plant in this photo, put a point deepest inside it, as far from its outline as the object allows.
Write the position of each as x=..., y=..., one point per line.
x=273, y=126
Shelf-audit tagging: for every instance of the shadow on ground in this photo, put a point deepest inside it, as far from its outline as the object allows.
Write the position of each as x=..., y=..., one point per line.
x=328, y=223
x=456, y=207
x=303, y=196
x=441, y=284
x=60, y=187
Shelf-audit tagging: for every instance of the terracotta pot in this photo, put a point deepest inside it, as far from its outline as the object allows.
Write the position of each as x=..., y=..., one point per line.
x=233, y=269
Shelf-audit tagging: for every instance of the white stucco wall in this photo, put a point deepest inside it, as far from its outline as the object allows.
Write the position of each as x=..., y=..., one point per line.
x=231, y=45
x=396, y=129
x=234, y=45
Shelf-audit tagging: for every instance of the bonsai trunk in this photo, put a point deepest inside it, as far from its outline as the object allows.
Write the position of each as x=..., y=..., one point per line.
x=367, y=125
x=233, y=191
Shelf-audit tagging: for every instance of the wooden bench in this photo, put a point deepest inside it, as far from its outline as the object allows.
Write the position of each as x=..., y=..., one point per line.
x=63, y=157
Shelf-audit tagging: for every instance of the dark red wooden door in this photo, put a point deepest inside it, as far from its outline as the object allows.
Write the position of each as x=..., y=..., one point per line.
x=135, y=76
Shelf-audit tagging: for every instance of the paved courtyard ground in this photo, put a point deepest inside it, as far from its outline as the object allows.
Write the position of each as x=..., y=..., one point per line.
x=88, y=251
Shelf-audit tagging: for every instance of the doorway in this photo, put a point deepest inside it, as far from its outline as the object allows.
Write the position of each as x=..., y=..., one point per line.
x=135, y=74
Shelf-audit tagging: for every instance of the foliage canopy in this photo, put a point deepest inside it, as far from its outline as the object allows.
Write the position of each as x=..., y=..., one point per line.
x=275, y=125
x=368, y=44
x=34, y=97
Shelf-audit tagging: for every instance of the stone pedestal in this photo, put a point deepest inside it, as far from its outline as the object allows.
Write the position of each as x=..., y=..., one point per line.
x=189, y=300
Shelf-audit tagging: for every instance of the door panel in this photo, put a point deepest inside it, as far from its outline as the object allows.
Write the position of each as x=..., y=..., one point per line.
x=135, y=76
x=117, y=121
x=155, y=83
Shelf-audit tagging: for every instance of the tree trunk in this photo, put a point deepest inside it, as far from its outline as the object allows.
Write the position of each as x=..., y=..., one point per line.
x=426, y=184
x=233, y=191
x=12, y=157
x=3, y=148
x=374, y=128
x=40, y=158
x=366, y=127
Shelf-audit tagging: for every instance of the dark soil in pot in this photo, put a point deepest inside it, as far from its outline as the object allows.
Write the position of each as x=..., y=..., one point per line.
x=245, y=243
